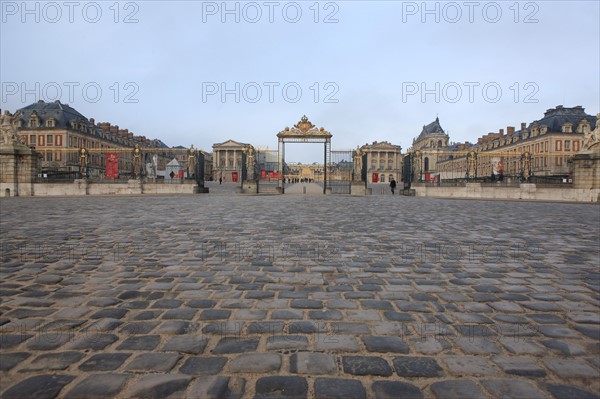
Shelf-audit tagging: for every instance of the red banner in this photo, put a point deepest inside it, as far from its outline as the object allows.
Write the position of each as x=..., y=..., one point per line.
x=375, y=177
x=112, y=165
x=263, y=174
x=234, y=177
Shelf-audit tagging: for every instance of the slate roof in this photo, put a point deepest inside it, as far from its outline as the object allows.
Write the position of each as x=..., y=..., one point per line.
x=434, y=128
x=63, y=114
x=555, y=118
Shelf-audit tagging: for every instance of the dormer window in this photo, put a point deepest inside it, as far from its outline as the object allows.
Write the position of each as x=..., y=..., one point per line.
x=543, y=129
x=584, y=127
x=34, y=122
x=567, y=128
x=17, y=123
x=50, y=122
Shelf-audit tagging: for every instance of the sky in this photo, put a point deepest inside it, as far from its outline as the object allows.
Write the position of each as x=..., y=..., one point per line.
x=193, y=72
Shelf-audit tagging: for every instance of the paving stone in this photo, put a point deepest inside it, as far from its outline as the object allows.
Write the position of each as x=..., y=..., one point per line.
x=281, y=387
x=158, y=386
x=565, y=347
x=409, y=366
x=312, y=363
x=39, y=387
x=183, y=314
x=454, y=389
x=203, y=365
x=560, y=391
x=98, y=386
x=325, y=315
x=557, y=331
x=93, y=341
x=336, y=343
x=175, y=327
x=10, y=341
x=201, y=303
x=217, y=387
x=307, y=304
x=111, y=313
x=153, y=362
x=477, y=345
x=546, y=318
x=10, y=360
x=350, y=328
x=512, y=389
x=54, y=361
x=522, y=366
x=104, y=362
x=430, y=345
x=385, y=344
x=235, y=345
x=251, y=314
x=366, y=365
x=334, y=388
x=520, y=346
x=265, y=328
x=186, y=344
x=215, y=314
x=307, y=327
x=255, y=363
x=468, y=365
x=140, y=343
x=278, y=342
x=571, y=368
x=139, y=327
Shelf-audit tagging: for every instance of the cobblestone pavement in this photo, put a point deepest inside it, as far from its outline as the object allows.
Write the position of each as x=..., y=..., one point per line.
x=224, y=296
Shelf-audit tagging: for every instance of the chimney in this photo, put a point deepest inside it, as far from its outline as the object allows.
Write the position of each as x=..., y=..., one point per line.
x=501, y=132
x=92, y=121
x=114, y=129
x=523, y=126
x=510, y=130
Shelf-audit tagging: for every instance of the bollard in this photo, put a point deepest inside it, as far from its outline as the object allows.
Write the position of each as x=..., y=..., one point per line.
x=382, y=191
x=304, y=189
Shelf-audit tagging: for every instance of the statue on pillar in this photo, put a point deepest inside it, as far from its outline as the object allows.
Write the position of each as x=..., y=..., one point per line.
x=357, y=163
x=191, y=162
x=249, y=162
x=137, y=159
x=472, y=165
x=83, y=163
x=592, y=139
x=9, y=134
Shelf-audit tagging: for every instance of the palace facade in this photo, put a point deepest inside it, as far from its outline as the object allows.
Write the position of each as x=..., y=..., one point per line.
x=57, y=132
x=546, y=145
x=384, y=162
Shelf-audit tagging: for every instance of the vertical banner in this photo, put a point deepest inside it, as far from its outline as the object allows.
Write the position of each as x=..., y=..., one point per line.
x=234, y=176
x=112, y=165
x=263, y=174
x=375, y=177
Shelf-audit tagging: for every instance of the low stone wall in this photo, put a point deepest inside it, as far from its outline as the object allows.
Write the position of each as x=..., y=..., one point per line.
x=522, y=192
x=82, y=187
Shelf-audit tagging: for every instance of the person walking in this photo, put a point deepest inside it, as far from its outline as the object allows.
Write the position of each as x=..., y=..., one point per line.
x=393, y=185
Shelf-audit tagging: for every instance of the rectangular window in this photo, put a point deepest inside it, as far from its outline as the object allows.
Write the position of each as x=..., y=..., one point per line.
x=32, y=139
x=537, y=147
x=558, y=145
x=49, y=140
x=567, y=145
x=59, y=140
x=49, y=156
x=58, y=156
x=41, y=140
x=575, y=145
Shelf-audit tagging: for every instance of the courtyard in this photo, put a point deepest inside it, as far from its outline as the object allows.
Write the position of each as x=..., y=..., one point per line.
x=230, y=296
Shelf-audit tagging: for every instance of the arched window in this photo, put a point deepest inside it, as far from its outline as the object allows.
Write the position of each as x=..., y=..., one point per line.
x=426, y=164
x=439, y=143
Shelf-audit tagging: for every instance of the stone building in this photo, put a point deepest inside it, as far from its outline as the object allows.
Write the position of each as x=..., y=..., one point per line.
x=431, y=143
x=546, y=145
x=384, y=162
x=227, y=160
x=58, y=131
